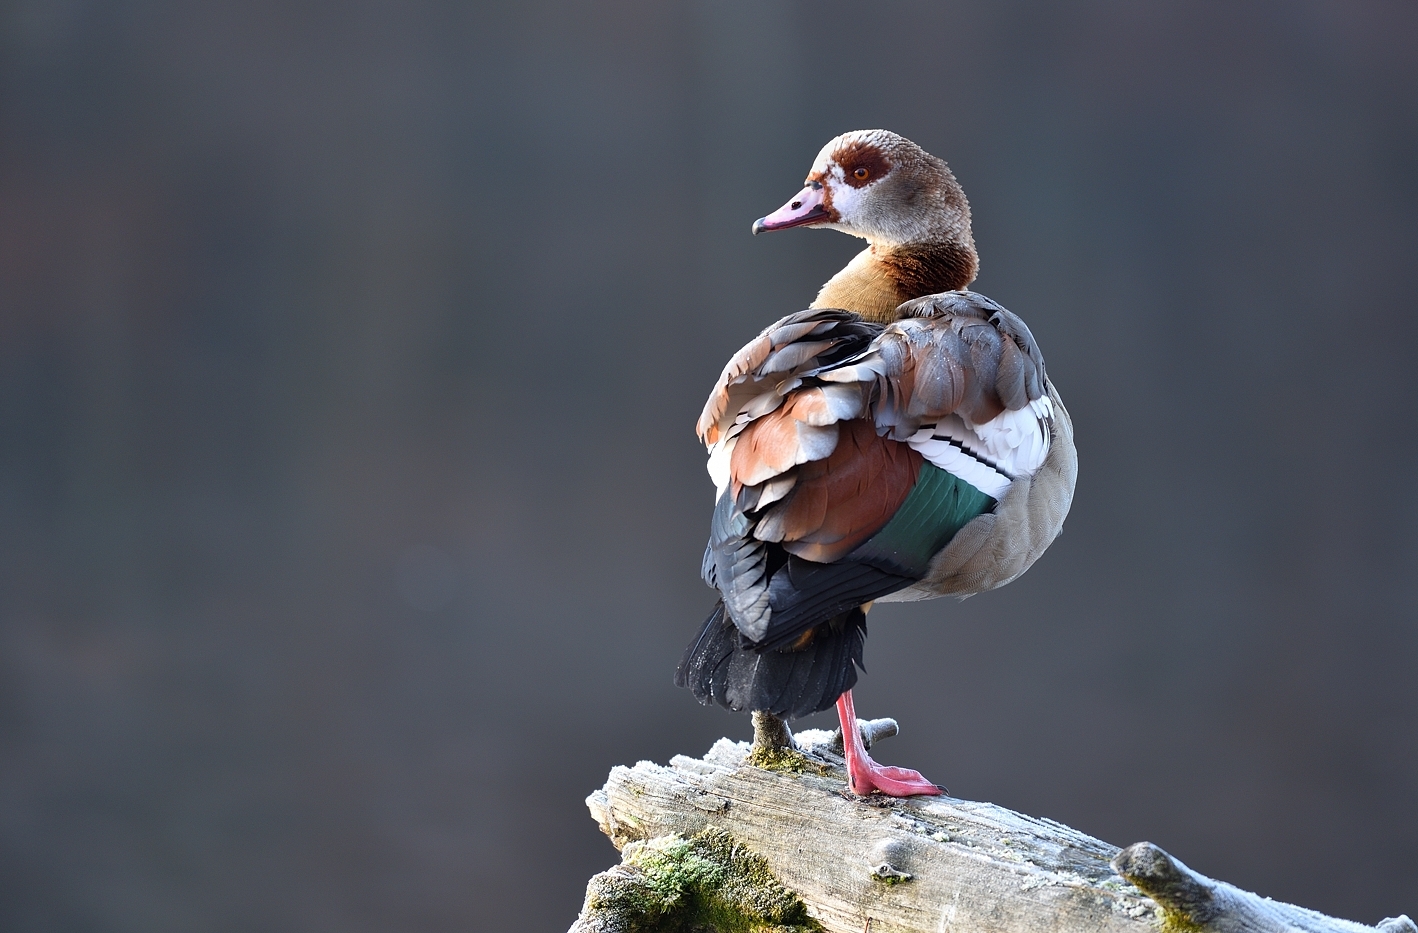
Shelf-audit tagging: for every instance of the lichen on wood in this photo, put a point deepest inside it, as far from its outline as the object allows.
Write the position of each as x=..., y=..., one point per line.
x=1192, y=903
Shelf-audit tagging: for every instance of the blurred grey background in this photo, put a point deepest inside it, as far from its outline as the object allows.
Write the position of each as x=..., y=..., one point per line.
x=351, y=513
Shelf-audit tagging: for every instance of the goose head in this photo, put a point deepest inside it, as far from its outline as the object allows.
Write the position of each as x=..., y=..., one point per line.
x=879, y=186
x=904, y=202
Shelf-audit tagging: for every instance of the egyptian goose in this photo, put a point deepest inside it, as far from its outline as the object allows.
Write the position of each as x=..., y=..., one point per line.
x=899, y=440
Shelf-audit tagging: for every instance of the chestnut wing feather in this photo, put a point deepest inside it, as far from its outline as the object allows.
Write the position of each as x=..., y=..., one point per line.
x=775, y=358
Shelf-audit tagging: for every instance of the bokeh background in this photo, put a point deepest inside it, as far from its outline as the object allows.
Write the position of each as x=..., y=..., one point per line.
x=350, y=510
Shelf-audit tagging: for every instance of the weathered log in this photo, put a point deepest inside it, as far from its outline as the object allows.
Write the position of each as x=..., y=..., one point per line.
x=719, y=843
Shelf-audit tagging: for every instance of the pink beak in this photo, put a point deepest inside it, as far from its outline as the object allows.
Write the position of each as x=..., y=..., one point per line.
x=806, y=207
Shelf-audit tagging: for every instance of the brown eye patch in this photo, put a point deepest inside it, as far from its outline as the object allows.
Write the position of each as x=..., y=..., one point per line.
x=862, y=163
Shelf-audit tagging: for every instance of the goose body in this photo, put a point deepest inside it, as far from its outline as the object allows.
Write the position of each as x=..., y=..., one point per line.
x=898, y=440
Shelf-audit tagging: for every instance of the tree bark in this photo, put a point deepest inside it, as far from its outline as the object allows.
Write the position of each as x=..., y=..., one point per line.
x=718, y=844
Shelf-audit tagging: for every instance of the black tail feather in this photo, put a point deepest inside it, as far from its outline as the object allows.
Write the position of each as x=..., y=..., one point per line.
x=719, y=667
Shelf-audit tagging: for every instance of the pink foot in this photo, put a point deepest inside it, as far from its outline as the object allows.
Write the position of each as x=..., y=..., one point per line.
x=891, y=781
x=865, y=775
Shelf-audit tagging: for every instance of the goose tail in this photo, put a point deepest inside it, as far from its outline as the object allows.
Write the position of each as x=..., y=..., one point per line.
x=803, y=677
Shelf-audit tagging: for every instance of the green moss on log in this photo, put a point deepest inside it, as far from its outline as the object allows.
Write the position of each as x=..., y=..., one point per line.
x=705, y=883
x=1175, y=921
x=786, y=760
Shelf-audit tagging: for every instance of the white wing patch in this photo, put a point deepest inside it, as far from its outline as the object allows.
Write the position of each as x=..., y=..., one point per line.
x=718, y=465
x=992, y=455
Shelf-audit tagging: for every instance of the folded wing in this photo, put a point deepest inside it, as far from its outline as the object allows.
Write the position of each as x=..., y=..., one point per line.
x=847, y=453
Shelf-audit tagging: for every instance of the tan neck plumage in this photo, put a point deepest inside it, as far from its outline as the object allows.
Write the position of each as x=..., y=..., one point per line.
x=865, y=286
x=875, y=282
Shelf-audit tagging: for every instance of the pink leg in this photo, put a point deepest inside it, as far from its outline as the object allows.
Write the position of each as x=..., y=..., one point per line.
x=865, y=775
